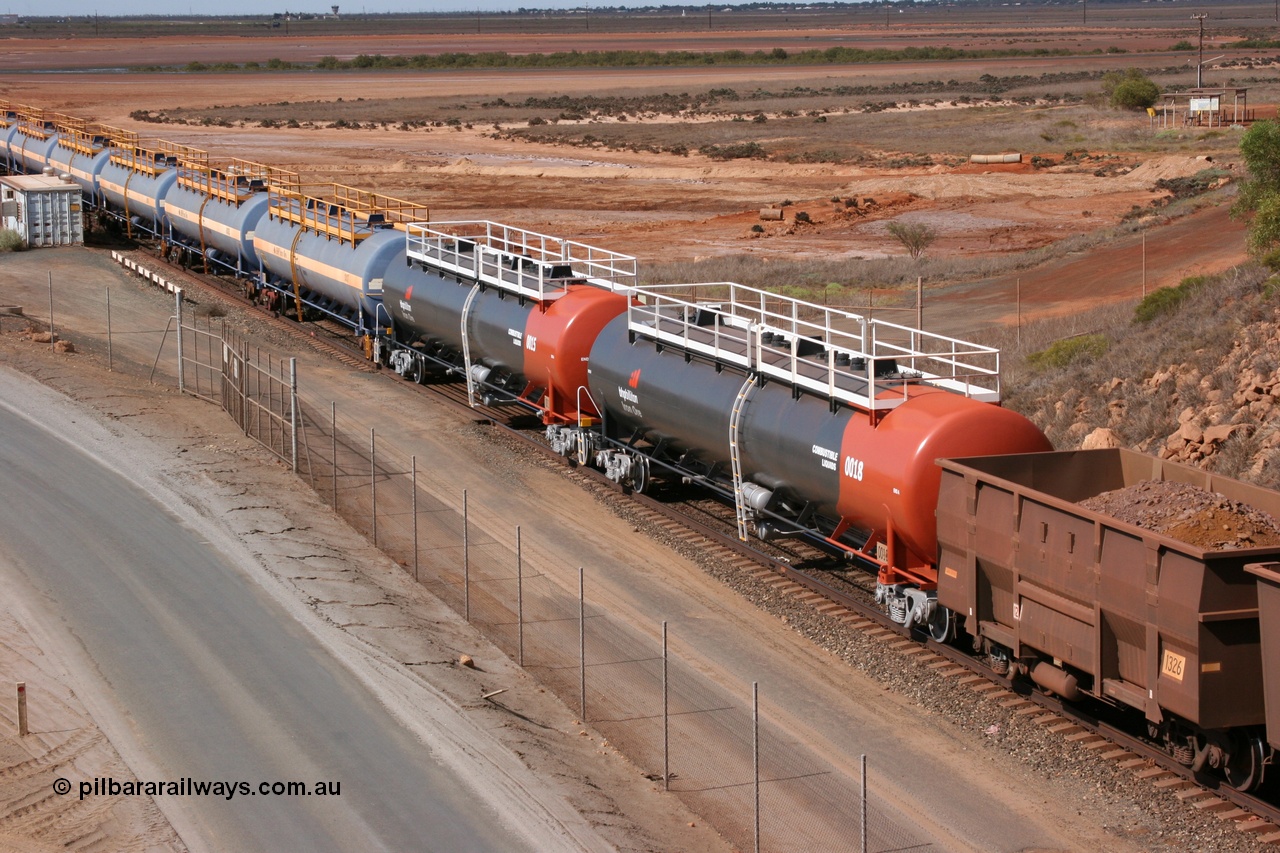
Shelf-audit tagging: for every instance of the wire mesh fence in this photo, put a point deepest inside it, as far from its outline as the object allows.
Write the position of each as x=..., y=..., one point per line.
x=761, y=788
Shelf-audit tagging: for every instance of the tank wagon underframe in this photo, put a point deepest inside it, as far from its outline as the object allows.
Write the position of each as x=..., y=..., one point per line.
x=511, y=311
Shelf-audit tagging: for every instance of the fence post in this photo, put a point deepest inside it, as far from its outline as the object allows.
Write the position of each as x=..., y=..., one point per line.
x=333, y=434
x=51, y=334
x=22, y=709
x=277, y=381
x=195, y=345
x=755, y=753
x=160, y=351
x=863, y=762
x=519, y=600
x=466, y=563
x=582, y=645
x=920, y=302
x=373, y=484
x=293, y=410
x=110, y=361
x=177, y=312
x=244, y=386
x=1018, y=300
x=666, y=717
x=413, y=497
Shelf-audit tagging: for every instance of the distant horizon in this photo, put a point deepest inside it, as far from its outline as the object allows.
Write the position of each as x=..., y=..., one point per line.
x=254, y=9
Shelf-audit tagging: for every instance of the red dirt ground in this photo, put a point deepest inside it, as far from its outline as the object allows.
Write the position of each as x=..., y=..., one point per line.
x=650, y=205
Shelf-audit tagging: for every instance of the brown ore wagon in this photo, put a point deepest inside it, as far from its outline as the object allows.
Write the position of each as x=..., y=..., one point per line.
x=1089, y=606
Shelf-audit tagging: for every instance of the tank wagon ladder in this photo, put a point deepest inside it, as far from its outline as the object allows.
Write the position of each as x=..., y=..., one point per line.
x=735, y=419
x=8, y=117
x=151, y=160
x=847, y=358
x=337, y=211
x=466, y=347
x=525, y=263
x=232, y=183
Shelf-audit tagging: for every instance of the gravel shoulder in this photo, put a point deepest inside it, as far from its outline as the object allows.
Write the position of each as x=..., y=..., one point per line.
x=525, y=757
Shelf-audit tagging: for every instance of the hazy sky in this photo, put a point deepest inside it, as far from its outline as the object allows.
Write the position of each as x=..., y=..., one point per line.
x=262, y=7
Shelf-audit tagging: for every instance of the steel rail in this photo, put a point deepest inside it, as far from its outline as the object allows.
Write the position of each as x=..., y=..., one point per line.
x=718, y=534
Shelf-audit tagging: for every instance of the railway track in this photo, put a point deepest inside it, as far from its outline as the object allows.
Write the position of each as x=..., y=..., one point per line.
x=1102, y=738
x=790, y=573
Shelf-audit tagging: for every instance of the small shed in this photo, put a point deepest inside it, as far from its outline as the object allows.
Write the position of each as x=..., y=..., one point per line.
x=44, y=209
x=1203, y=108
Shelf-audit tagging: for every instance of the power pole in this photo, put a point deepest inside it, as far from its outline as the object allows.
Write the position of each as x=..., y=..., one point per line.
x=1200, y=59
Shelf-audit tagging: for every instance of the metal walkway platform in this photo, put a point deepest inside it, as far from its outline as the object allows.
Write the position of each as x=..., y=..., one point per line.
x=518, y=261
x=848, y=358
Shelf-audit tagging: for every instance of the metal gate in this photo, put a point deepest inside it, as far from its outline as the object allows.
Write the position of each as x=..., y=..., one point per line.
x=262, y=399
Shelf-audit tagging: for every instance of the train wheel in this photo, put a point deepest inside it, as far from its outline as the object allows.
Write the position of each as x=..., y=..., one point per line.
x=417, y=372
x=639, y=474
x=1244, y=769
x=942, y=625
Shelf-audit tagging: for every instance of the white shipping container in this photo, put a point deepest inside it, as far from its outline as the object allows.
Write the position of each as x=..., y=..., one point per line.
x=45, y=210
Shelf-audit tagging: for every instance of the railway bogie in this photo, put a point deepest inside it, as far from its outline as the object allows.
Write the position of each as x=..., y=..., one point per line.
x=221, y=230
x=513, y=312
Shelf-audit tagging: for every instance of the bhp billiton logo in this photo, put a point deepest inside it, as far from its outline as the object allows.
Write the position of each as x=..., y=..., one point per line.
x=634, y=382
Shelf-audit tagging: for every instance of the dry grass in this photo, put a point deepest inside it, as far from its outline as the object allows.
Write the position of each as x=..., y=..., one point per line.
x=1216, y=333
x=844, y=281
x=812, y=120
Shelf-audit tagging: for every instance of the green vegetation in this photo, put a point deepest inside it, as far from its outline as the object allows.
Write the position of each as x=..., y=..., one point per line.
x=11, y=241
x=740, y=151
x=1260, y=192
x=674, y=58
x=1129, y=89
x=1136, y=381
x=1166, y=299
x=1256, y=44
x=915, y=237
x=633, y=59
x=1070, y=351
